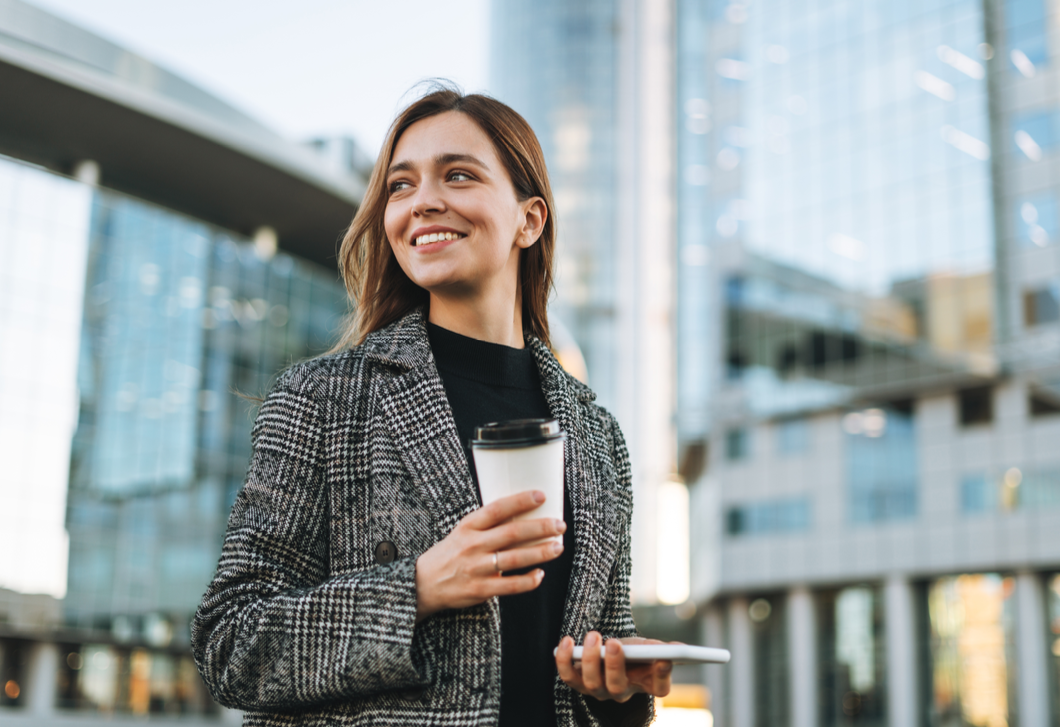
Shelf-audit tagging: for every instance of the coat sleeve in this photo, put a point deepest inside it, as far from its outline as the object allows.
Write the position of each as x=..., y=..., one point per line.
x=274, y=631
x=616, y=618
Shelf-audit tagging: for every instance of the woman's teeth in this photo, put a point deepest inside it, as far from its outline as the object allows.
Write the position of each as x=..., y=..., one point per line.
x=435, y=237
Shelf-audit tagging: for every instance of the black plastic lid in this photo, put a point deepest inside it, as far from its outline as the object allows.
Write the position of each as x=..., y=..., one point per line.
x=517, y=433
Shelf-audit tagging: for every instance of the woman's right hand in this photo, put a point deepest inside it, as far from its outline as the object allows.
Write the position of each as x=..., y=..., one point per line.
x=461, y=571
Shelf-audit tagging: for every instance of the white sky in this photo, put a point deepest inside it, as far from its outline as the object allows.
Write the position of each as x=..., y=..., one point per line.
x=305, y=67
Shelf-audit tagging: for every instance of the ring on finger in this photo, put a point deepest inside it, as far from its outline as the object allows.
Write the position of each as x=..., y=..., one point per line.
x=496, y=563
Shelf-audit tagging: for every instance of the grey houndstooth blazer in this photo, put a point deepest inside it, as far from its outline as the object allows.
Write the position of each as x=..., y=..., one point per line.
x=301, y=626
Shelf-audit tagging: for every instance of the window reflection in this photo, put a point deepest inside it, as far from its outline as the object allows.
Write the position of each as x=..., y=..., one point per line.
x=882, y=470
x=788, y=515
x=972, y=647
x=112, y=679
x=851, y=657
x=1037, y=220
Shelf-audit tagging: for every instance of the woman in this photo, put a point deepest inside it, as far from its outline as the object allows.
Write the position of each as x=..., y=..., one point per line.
x=360, y=581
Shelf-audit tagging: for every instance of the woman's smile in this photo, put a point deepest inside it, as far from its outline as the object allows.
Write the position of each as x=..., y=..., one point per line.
x=423, y=236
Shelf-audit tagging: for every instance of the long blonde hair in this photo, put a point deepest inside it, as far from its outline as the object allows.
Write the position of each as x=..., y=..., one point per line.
x=379, y=289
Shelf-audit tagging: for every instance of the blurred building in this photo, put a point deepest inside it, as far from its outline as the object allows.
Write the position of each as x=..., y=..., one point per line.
x=594, y=79
x=869, y=357
x=159, y=252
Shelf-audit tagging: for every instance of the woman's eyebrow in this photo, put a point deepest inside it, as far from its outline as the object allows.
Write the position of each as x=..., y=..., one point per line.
x=439, y=161
x=446, y=159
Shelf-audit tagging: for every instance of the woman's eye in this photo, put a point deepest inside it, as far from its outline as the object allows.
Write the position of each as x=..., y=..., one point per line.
x=459, y=177
x=398, y=186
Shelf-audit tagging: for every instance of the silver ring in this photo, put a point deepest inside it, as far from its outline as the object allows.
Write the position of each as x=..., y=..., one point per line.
x=496, y=563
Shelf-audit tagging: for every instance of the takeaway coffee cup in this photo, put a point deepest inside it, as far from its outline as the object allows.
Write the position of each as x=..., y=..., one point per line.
x=520, y=455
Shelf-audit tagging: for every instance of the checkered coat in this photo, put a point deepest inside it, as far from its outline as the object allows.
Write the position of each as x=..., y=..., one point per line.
x=301, y=626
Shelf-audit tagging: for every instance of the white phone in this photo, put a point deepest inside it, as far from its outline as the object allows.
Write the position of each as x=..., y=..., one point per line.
x=677, y=653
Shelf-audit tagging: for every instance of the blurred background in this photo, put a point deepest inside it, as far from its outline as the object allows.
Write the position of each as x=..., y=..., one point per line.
x=809, y=255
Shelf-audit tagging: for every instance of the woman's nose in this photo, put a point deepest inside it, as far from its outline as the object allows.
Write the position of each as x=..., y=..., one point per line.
x=428, y=199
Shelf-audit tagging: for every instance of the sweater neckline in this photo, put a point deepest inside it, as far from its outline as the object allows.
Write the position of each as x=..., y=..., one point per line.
x=489, y=363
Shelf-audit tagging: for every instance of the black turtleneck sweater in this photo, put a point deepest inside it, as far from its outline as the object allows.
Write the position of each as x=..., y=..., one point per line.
x=488, y=382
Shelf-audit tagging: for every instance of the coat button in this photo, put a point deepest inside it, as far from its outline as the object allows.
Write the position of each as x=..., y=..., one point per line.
x=385, y=552
x=412, y=695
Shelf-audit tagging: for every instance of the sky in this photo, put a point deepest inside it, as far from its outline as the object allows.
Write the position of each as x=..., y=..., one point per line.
x=303, y=68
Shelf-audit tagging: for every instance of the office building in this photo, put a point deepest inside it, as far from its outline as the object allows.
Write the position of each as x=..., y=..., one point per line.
x=868, y=357
x=161, y=253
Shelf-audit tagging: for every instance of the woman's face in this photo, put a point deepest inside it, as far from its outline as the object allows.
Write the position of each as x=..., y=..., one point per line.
x=452, y=218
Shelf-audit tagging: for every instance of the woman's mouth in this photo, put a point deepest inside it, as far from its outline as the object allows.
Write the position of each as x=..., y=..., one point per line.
x=436, y=237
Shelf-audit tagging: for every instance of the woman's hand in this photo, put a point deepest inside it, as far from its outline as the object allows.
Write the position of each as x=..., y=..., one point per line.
x=612, y=679
x=464, y=569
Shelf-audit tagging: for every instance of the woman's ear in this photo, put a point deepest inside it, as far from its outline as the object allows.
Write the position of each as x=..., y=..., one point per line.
x=535, y=213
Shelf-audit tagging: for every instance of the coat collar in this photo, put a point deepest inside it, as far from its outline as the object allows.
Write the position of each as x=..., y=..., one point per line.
x=404, y=344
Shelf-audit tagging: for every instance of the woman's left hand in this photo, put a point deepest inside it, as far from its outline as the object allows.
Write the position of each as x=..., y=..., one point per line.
x=611, y=679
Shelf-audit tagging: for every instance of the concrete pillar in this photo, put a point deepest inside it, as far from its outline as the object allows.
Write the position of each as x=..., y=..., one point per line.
x=902, y=700
x=802, y=657
x=41, y=674
x=712, y=633
x=1031, y=645
x=741, y=668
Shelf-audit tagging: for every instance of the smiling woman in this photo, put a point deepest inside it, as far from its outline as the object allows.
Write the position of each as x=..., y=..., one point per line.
x=362, y=580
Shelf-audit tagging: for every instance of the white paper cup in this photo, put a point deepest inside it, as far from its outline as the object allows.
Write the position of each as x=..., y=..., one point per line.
x=520, y=455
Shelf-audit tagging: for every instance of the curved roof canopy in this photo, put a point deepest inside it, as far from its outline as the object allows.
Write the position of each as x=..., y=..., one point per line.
x=68, y=95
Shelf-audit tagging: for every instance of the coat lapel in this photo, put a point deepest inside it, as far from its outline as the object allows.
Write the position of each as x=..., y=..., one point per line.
x=416, y=410
x=591, y=500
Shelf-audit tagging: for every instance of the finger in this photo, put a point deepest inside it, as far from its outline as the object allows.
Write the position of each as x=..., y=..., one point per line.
x=509, y=560
x=615, y=671
x=565, y=664
x=517, y=532
x=515, y=584
x=592, y=675
x=504, y=509
x=661, y=673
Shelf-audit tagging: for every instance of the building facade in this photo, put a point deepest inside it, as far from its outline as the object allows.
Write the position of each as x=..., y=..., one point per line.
x=869, y=357
x=162, y=258
x=594, y=79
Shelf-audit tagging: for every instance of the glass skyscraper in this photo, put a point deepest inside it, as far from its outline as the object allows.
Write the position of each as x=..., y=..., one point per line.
x=869, y=356
x=594, y=80
x=162, y=258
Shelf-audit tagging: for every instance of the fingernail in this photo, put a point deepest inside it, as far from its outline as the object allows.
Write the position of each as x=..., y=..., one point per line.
x=557, y=547
x=539, y=496
x=561, y=527
x=540, y=574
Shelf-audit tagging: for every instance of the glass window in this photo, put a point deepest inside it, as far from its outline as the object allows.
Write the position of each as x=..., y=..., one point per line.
x=793, y=436
x=737, y=444
x=1026, y=29
x=1037, y=221
x=1042, y=305
x=791, y=515
x=971, y=650
x=1033, y=133
x=978, y=494
x=1043, y=402
x=881, y=465
x=852, y=668
x=12, y=672
x=976, y=405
